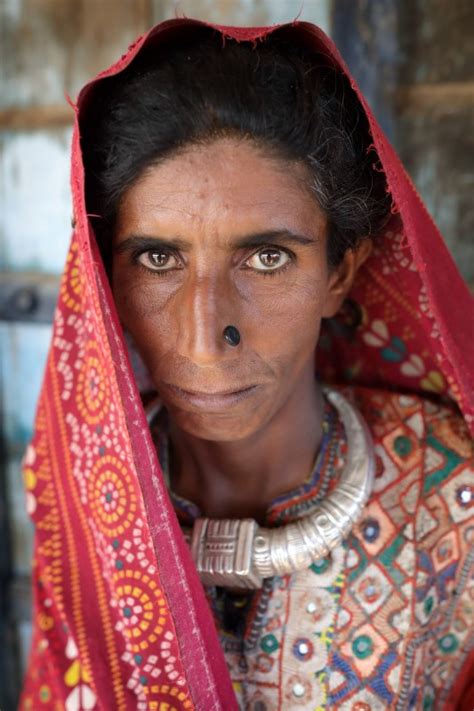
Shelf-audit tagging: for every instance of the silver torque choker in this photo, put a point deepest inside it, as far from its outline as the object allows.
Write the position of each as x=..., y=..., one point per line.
x=238, y=553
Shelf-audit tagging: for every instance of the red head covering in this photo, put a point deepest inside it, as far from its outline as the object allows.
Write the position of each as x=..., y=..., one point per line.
x=120, y=617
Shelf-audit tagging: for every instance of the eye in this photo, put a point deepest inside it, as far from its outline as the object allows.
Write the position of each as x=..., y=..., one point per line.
x=158, y=260
x=268, y=259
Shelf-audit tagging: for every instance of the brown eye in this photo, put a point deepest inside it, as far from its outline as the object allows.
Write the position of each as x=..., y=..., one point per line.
x=158, y=260
x=268, y=259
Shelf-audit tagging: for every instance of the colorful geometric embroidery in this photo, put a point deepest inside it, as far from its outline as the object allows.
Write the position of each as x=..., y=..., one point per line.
x=93, y=481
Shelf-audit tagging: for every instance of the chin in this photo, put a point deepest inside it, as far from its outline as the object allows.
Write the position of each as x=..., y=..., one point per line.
x=216, y=428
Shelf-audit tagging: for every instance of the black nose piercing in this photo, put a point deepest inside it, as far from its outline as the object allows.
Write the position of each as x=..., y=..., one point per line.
x=232, y=335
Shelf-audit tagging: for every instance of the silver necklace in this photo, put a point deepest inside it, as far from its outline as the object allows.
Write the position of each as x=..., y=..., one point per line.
x=238, y=553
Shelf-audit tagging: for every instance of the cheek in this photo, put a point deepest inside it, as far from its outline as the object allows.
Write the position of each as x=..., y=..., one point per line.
x=295, y=316
x=280, y=323
x=143, y=309
x=137, y=299
x=286, y=309
x=284, y=326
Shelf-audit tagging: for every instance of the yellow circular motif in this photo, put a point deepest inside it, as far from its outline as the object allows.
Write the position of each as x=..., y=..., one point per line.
x=72, y=284
x=45, y=622
x=170, y=698
x=142, y=608
x=112, y=495
x=92, y=387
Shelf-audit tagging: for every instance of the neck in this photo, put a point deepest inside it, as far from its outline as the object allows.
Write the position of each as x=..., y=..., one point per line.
x=239, y=479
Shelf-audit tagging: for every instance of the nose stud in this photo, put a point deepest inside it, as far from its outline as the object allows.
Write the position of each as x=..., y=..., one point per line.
x=231, y=335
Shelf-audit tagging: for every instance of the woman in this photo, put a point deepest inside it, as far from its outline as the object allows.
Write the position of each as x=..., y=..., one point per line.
x=239, y=207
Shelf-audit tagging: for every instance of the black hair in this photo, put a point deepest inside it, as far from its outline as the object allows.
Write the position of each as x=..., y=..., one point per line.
x=288, y=100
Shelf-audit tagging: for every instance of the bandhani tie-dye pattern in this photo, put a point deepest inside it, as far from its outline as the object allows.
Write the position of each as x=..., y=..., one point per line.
x=98, y=592
x=120, y=618
x=385, y=621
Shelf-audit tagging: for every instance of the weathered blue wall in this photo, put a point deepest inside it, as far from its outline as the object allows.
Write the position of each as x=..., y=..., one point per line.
x=414, y=60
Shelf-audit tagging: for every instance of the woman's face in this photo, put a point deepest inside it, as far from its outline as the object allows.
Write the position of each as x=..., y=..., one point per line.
x=216, y=235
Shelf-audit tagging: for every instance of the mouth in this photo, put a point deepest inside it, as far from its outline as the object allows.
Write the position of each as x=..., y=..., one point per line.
x=209, y=401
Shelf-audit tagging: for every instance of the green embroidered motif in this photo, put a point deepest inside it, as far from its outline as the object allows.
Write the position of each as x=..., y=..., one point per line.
x=269, y=643
x=452, y=460
x=320, y=566
x=363, y=646
x=388, y=556
x=403, y=446
x=427, y=703
x=449, y=643
x=428, y=605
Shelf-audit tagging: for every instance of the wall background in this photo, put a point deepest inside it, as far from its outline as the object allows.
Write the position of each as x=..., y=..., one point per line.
x=414, y=59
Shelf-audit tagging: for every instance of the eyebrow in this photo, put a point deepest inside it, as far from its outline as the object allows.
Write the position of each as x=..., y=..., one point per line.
x=284, y=237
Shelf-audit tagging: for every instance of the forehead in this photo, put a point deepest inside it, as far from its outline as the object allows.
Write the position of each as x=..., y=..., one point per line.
x=226, y=184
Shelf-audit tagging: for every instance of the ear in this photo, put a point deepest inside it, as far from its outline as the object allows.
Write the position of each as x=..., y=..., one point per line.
x=342, y=277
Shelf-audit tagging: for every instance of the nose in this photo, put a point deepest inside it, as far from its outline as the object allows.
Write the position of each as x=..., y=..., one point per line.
x=205, y=310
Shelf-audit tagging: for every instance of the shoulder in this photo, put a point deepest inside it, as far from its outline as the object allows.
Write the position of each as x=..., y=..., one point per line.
x=428, y=424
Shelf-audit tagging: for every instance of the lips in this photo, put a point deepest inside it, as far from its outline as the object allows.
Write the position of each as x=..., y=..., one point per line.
x=209, y=401
x=205, y=393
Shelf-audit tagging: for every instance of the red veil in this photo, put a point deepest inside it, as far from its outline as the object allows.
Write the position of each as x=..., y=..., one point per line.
x=120, y=619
